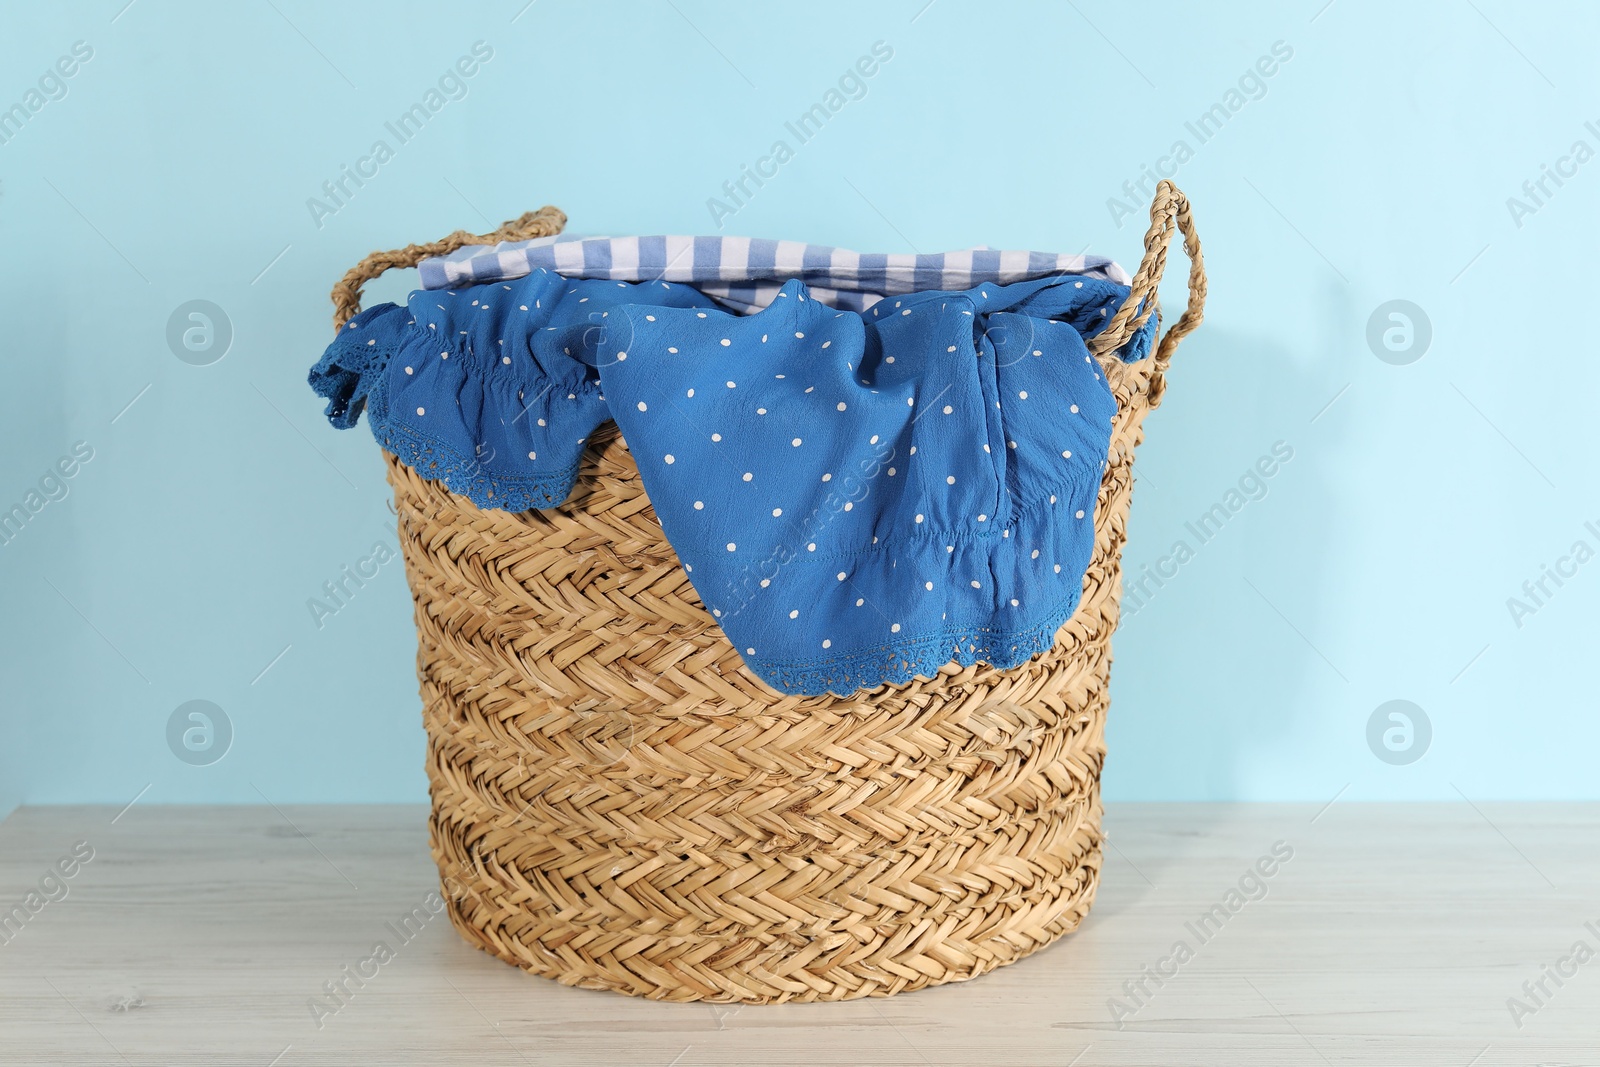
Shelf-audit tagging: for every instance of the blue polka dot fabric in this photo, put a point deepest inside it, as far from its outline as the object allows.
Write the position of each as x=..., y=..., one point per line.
x=859, y=497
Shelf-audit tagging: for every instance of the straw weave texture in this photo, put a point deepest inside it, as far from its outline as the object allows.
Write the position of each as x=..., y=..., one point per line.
x=618, y=803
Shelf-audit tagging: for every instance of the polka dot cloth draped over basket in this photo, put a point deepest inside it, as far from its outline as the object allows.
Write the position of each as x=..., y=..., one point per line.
x=621, y=802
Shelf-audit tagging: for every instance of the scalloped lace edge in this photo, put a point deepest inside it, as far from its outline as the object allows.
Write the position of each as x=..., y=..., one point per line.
x=918, y=658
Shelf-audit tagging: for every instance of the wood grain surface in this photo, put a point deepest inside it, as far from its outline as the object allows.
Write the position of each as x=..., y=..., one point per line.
x=1393, y=934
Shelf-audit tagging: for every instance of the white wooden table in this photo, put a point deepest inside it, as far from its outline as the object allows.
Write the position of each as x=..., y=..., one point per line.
x=1393, y=935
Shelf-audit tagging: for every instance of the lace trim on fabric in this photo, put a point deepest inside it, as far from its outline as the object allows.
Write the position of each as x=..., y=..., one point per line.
x=351, y=378
x=345, y=377
x=899, y=663
x=466, y=477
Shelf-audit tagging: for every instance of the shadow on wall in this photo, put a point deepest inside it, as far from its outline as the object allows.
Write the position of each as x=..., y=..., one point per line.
x=1220, y=576
x=41, y=548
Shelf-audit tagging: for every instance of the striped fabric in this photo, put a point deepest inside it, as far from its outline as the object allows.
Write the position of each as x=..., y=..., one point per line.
x=744, y=274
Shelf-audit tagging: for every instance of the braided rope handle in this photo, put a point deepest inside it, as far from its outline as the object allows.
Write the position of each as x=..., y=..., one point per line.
x=1168, y=211
x=545, y=222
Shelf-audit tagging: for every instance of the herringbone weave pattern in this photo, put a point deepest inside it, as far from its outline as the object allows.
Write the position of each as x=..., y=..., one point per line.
x=619, y=804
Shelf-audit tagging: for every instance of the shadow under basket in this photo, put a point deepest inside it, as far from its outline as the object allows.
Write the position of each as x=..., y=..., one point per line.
x=619, y=803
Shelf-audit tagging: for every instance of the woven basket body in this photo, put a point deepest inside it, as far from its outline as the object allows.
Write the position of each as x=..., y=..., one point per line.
x=618, y=803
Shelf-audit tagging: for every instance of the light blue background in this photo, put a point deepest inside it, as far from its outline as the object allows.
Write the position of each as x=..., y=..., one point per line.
x=1377, y=166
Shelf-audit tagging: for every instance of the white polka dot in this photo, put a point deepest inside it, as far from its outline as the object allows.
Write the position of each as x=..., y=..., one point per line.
x=1023, y=394
x=717, y=612
x=765, y=582
x=812, y=547
x=421, y=411
x=410, y=371
x=643, y=406
x=1037, y=352
x=950, y=479
x=699, y=505
x=913, y=450
x=732, y=546
x=716, y=437
x=671, y=459
x=506, y=360
x=987, y=449
x=732, y=385
x=797, y=333
x=891, y=472
x=795, y=443
x=890, y=359
x=776, y=512
x=1080, y=513
x=895, y=628
x=794, y=614
x=919, y=518
x=911, y=401
x=622, y=357
x=848, y=505
x=825, y=344
x=983, y=518
x=673, y=351
x=1035, y=554
x=826, y=643
x=907, y=311
x=1058, y=568
x=1077, y=285
x=761, y=411
x=748, y=476
x=726, y=342
x=874, y=440
x=860, y=602
x=1074, y=409
x=841, y=576
x=1013, y=603
x=928, y=586
x=841, y=405
x=749, y=651
x=690, y=393
x=541, y=422
x=1011, y=444
x=952, y=348
x=948, y=409
x=1067, y=454
x=827, y=477
x=1052, y=498
x=975, y=585
x=533, y=455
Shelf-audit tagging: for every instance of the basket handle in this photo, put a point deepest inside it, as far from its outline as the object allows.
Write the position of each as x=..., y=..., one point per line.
x=347, y=294
x=1169, y=209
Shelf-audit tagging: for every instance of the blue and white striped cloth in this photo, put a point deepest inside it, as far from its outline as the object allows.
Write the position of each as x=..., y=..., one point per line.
x=745, y=274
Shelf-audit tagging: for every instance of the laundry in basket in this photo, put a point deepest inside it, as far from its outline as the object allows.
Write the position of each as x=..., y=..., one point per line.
x=621, y=798
x=865, y=478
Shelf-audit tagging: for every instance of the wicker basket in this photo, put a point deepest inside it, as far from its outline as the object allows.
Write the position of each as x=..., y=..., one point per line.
x=618, y=803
